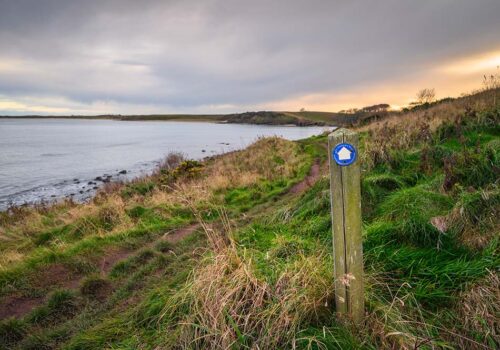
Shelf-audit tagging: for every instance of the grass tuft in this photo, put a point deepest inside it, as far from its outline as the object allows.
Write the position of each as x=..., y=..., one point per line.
x=11, y=332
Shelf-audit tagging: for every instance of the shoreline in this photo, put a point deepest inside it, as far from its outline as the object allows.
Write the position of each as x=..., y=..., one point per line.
x=88, y=192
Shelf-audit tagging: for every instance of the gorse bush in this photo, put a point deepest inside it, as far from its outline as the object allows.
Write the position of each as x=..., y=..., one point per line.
x=178, y=170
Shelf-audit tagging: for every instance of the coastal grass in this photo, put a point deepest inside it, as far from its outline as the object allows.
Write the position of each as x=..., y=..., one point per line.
x=77, y=239
x=258, y=273
x=418, y=268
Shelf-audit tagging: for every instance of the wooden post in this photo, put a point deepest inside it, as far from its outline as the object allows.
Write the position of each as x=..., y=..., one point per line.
x=345, y=196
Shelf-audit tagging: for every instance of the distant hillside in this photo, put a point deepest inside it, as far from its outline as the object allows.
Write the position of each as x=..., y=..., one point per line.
x=260, y=117
x=353, y=117
x=271, y=118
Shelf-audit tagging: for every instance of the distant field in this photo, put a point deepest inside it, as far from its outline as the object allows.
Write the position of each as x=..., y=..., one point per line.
x=307, y=118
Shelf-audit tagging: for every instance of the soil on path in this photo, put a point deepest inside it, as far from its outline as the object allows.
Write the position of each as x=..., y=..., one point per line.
x=58, y=275
x=310, y=179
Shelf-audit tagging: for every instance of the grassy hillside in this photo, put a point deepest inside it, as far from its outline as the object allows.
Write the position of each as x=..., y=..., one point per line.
x=260, y=118
x=236, y=252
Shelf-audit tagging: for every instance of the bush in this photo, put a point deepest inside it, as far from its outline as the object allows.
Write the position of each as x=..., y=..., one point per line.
x=186, y=169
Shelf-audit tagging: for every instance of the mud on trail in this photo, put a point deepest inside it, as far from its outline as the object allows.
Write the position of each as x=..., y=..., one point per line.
x=309, y=180
x=59, y=276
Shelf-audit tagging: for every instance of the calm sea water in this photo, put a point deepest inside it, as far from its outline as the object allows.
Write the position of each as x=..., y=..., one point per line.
x=47, y=159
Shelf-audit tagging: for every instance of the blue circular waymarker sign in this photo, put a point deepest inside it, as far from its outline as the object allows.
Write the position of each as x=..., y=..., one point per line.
x=344, y=154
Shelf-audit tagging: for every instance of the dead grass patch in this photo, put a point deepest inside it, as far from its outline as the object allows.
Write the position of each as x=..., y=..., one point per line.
x=225, y=304
x=479, y=309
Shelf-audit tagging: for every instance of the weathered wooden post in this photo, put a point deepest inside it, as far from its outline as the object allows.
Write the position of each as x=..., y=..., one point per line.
x=345, y=196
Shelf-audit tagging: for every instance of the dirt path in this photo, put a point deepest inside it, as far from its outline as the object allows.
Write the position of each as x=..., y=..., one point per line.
x=310, y=179
x=14, y=306
x=60, y=276
x=178, y=235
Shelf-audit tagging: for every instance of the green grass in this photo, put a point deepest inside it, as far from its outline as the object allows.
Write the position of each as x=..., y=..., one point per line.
x=273, y=286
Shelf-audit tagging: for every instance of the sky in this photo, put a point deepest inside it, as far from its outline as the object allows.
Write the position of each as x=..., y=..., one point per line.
x=222, y=56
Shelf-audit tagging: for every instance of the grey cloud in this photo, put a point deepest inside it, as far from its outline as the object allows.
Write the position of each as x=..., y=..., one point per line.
x=187, y=54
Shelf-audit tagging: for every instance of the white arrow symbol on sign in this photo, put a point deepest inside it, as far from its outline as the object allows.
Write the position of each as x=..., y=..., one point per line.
x=344, y=154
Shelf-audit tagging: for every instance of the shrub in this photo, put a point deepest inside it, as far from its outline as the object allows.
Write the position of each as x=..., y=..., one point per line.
x=184, y=170
x=171, y=161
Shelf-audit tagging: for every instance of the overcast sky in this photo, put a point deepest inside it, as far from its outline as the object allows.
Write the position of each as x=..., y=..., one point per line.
x=214, y=56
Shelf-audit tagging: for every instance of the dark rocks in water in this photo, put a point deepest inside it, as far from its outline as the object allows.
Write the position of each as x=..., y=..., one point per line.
x=81, y=192
x=75, y=180
x=53, y=196
x=123, y=172
x=103, y=179
x=106, y=180
x=203, y=150
x=71, y=194
x=95, y=187
x=91, y=183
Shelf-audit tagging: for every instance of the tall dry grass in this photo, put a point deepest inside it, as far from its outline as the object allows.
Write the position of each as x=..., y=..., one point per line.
x=266, y=159
x=402, y=131
x=479, y=308
x=226, y=304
